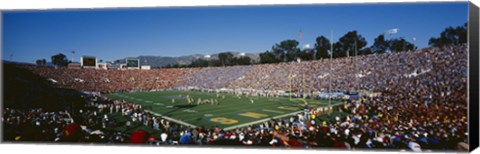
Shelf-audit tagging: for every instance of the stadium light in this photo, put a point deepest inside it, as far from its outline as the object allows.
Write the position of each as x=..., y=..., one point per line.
x=73, y=54
x=306, y=46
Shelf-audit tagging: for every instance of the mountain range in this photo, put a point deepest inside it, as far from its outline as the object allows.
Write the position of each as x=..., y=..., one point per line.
x=161, y=61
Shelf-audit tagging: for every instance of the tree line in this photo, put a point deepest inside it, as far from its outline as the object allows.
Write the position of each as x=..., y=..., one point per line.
x=450, y=36
x=224, y=59
x=58, y=60
x=350, y=44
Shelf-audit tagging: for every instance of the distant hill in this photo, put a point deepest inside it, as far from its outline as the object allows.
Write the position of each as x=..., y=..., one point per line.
x=17, y=63
x=160, y=61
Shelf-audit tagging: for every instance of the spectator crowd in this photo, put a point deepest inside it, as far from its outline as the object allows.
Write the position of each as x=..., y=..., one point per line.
x=422, y=104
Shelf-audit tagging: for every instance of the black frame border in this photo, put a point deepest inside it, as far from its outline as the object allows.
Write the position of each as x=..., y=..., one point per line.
x=473, y=65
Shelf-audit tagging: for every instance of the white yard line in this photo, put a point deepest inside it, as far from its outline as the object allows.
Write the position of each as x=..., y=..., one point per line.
x=171, y=119
x=168, y=118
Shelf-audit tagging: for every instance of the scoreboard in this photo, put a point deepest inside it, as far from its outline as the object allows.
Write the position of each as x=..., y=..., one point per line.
x=87, y=61
x=132, y=63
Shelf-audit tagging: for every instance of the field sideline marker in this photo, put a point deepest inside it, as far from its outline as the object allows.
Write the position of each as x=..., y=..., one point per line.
x=171, y=119
x=262, y=120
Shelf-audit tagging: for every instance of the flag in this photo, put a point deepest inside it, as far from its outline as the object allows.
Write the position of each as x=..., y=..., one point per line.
x=138, y=137
x=300, y=35
x=71, y=132
x=392, y=31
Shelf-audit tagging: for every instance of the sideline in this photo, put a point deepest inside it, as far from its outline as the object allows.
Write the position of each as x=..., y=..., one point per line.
x=171, y=119
x=262, y=120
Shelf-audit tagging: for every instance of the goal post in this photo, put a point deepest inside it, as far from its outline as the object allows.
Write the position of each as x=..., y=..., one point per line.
x=303, y=98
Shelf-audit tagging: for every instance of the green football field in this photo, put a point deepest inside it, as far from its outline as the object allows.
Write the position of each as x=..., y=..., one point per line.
x=232, y=111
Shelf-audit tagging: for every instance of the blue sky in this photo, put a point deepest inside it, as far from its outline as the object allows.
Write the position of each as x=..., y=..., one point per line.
x=111, y=34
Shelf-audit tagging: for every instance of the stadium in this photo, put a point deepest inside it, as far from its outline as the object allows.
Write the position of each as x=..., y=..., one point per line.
x=243, y=102
x=400, y=98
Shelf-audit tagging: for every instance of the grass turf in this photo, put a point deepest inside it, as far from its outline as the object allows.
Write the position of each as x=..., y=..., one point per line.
x=232, y=111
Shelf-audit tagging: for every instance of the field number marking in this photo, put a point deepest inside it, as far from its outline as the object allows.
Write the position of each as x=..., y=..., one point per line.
x=253, y=115
x=224, y=121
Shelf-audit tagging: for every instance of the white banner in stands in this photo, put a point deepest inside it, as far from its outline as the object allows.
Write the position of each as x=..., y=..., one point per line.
x=145, y=67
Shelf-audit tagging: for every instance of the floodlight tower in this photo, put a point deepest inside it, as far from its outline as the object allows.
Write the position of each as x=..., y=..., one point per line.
x=414, y=39
x=73, y=53
x=330, y=71
x=355, y=64
x=300, y=35
x=290, y=92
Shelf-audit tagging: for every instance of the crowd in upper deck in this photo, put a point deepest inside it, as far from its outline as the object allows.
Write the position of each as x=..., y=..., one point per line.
x=422, y=106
